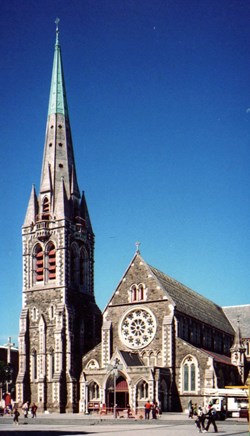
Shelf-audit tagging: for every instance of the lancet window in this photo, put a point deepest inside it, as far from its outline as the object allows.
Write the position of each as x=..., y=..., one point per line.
x=38, y=264
x=137, y=292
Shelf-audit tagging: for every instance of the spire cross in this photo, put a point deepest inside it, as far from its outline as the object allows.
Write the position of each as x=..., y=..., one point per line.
x=57, y=22
x=137, y=244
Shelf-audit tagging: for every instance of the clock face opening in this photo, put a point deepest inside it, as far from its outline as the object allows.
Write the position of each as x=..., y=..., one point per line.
x=137, y=328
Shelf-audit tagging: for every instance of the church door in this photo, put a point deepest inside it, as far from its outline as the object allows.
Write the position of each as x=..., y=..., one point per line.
x=122, y=395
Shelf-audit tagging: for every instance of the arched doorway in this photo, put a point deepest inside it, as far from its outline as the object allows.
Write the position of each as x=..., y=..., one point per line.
x=122, y=395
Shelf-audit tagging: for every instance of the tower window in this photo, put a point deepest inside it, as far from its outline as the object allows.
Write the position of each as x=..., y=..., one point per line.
x=84, y=272
x=51, y=261
x=38, y=264
x=60, y=165
x=45, y=208
x=60, y=144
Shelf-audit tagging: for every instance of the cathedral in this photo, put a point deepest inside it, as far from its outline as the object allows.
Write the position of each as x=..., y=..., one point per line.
x=156, y=339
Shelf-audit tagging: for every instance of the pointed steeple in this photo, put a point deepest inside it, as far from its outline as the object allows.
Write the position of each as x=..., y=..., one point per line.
x=58, y=100
x=58, y=149
x=84, y=213
x=32, y=208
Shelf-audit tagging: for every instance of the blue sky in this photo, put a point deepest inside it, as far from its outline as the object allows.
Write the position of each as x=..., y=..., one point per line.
x=159, y=102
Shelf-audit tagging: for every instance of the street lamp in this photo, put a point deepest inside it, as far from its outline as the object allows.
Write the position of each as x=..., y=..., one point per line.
x=115, y=368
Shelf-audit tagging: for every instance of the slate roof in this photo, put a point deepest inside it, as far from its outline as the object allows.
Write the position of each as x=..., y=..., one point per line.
x=192, y=304
x=131, y=359
x=221, y=358
x=242, y=313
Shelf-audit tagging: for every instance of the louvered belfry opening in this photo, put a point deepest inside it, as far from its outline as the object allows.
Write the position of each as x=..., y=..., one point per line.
x=52, y=262
x=39, y=264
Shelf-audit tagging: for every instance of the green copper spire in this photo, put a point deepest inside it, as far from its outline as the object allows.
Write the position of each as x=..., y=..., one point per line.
x=58, y=100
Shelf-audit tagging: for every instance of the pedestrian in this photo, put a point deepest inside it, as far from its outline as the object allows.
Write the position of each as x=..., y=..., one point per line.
x=147, y=408
x=33, y=410
x=211, y=419
x=16, y=415
x=190, y=409
x=200, y=420
x=25, y=409
x=155, y=410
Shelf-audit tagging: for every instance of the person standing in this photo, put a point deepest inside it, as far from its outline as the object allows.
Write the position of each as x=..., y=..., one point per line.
x=190, y=409
x=33, y=410
x=155, y=410
x=16, y=415
x=147, y=409
x=211, y=419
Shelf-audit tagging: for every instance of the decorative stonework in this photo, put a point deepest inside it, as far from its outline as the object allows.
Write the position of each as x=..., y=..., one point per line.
x=137, y=328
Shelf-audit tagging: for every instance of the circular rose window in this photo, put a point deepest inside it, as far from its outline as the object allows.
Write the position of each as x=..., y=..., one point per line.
x=138, y=328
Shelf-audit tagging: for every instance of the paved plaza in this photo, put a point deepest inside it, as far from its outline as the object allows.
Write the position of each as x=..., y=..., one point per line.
x=169, y=424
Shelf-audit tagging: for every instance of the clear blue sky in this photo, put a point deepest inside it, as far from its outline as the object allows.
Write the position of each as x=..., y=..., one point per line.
x=159, y=101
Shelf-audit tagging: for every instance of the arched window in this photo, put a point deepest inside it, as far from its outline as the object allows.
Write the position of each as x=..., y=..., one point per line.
x=51, y=261
x=141, y=289
x=52, y=312
x=74, y=263
x=145, y=359
x=133, y=291
x=38, y=264
x=51, y=363
x=151, y=359
x=84, y=269
x=142, y=390
x=94, y=391
x=137, y=292
x=45, y=208
x=189, y=374
x=34, y=313
x=34, y=364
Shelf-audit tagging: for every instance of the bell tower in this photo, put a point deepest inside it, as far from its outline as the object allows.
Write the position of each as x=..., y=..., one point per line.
x=60, y=320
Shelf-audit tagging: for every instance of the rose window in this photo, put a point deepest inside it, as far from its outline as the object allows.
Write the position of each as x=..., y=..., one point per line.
x=138, y=328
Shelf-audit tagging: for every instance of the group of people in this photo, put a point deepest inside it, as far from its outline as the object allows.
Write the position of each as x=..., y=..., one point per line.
x=203, y=415
x=25, y=408
x=151, y=407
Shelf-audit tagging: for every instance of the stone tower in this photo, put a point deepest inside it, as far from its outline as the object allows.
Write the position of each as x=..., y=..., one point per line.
x=59, y=320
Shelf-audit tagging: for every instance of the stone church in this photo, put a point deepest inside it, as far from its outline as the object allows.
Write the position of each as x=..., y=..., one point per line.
x=156, y=339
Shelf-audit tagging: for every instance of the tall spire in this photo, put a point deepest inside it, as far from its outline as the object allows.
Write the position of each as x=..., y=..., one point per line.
x=58, y=100
x=58, y=149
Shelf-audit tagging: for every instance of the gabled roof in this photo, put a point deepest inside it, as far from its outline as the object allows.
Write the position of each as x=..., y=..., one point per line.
x=239, y=316
x=221, y=358
x=131, y=359
x=192, y=304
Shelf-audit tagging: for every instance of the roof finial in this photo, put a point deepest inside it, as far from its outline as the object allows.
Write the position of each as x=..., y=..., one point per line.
x=57, y=29
x=137, y=244
x=57, y=22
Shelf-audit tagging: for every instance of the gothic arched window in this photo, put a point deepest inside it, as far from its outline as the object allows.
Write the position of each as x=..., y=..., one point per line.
x=74, y=263
x=45, y=208
x=94, y=391
x=51, y=261
x=142, y=390
x=51, y=363
x=38, y=264
x=34, y=364
x=84, y=268
x=189, y=373
x=141, y=289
